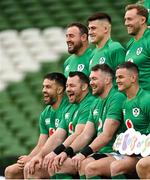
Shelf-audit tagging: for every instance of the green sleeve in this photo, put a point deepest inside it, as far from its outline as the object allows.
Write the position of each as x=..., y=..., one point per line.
x=115, y=107
x=146, y=109
x=91, y=119
x=117, y=55
x=43, y=129
x=63, y=124
x=85, y=110
x=84, y=113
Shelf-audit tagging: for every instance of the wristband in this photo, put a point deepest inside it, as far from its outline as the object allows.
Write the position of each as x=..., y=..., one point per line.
x=69, y=151
x=59, y=149
x=86, y=151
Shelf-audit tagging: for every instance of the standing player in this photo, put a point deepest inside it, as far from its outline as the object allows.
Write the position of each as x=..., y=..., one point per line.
x=54, y=85
x=78, y=46
x=138, y=48
x=107, y=51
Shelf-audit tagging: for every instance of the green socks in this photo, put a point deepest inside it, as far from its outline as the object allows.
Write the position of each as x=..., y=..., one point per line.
x=120, y=176
x=95, y=177
x=63, y=176
x=82, y=177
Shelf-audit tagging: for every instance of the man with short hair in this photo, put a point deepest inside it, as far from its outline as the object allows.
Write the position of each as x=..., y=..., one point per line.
x=104, y=120
x=78, y=47
x=136, y=113
x=72, y=124
x=54, y=85
x=107, y=51
x=138, y=48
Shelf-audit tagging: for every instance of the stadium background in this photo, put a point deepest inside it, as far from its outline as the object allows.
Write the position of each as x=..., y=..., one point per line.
x=32, y=43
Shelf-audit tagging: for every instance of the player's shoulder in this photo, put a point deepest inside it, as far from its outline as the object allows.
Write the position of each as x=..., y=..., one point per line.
x=129, y=43
x=67, y=61
x=143, y=94
x=146, y=37
x=115, y=94
x=46, y=110
x=114, y=45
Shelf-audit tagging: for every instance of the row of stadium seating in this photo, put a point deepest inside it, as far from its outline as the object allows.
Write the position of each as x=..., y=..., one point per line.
x=24, y=51
x=23, y=14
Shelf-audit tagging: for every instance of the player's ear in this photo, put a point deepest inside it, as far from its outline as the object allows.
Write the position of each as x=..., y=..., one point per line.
x=84, y=87
x=84, y=37
x=143, y=20
x=60, y=90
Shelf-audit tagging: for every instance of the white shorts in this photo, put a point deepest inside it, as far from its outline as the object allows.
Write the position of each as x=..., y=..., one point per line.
x=118, y=156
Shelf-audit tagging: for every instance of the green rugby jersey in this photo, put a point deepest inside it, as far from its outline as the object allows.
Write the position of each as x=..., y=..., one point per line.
x=78, y=63
x=50, y=118
x=76, y=114
x=111, y=54
x=136, y=112
x=139, y=53
x=102, y=109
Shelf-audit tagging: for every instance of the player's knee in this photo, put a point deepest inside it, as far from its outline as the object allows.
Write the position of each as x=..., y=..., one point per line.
x=89, y=170
x=7, y=172
x=141, y=165
x=82, y=168
x=143, y=169
x=114, y=168
x=10, y=172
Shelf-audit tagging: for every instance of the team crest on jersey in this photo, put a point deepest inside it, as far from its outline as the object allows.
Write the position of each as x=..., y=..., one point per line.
x=99, y=124
x=95, y=112
x=67, y=68
x=67, y=115
x=129, y=123
x=80, y=67
x=51, y=131
x=139, y=50
x=70, y=128
x=136, y=112
x=56, y=122
x=102, y=60
x=47, y=121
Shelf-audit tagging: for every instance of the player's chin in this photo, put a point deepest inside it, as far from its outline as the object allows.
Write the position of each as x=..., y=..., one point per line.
x=120, y=88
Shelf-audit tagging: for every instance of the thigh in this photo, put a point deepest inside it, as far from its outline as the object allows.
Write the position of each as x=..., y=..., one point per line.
x=68, y=167
x=126, y=165
x=102, y=166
